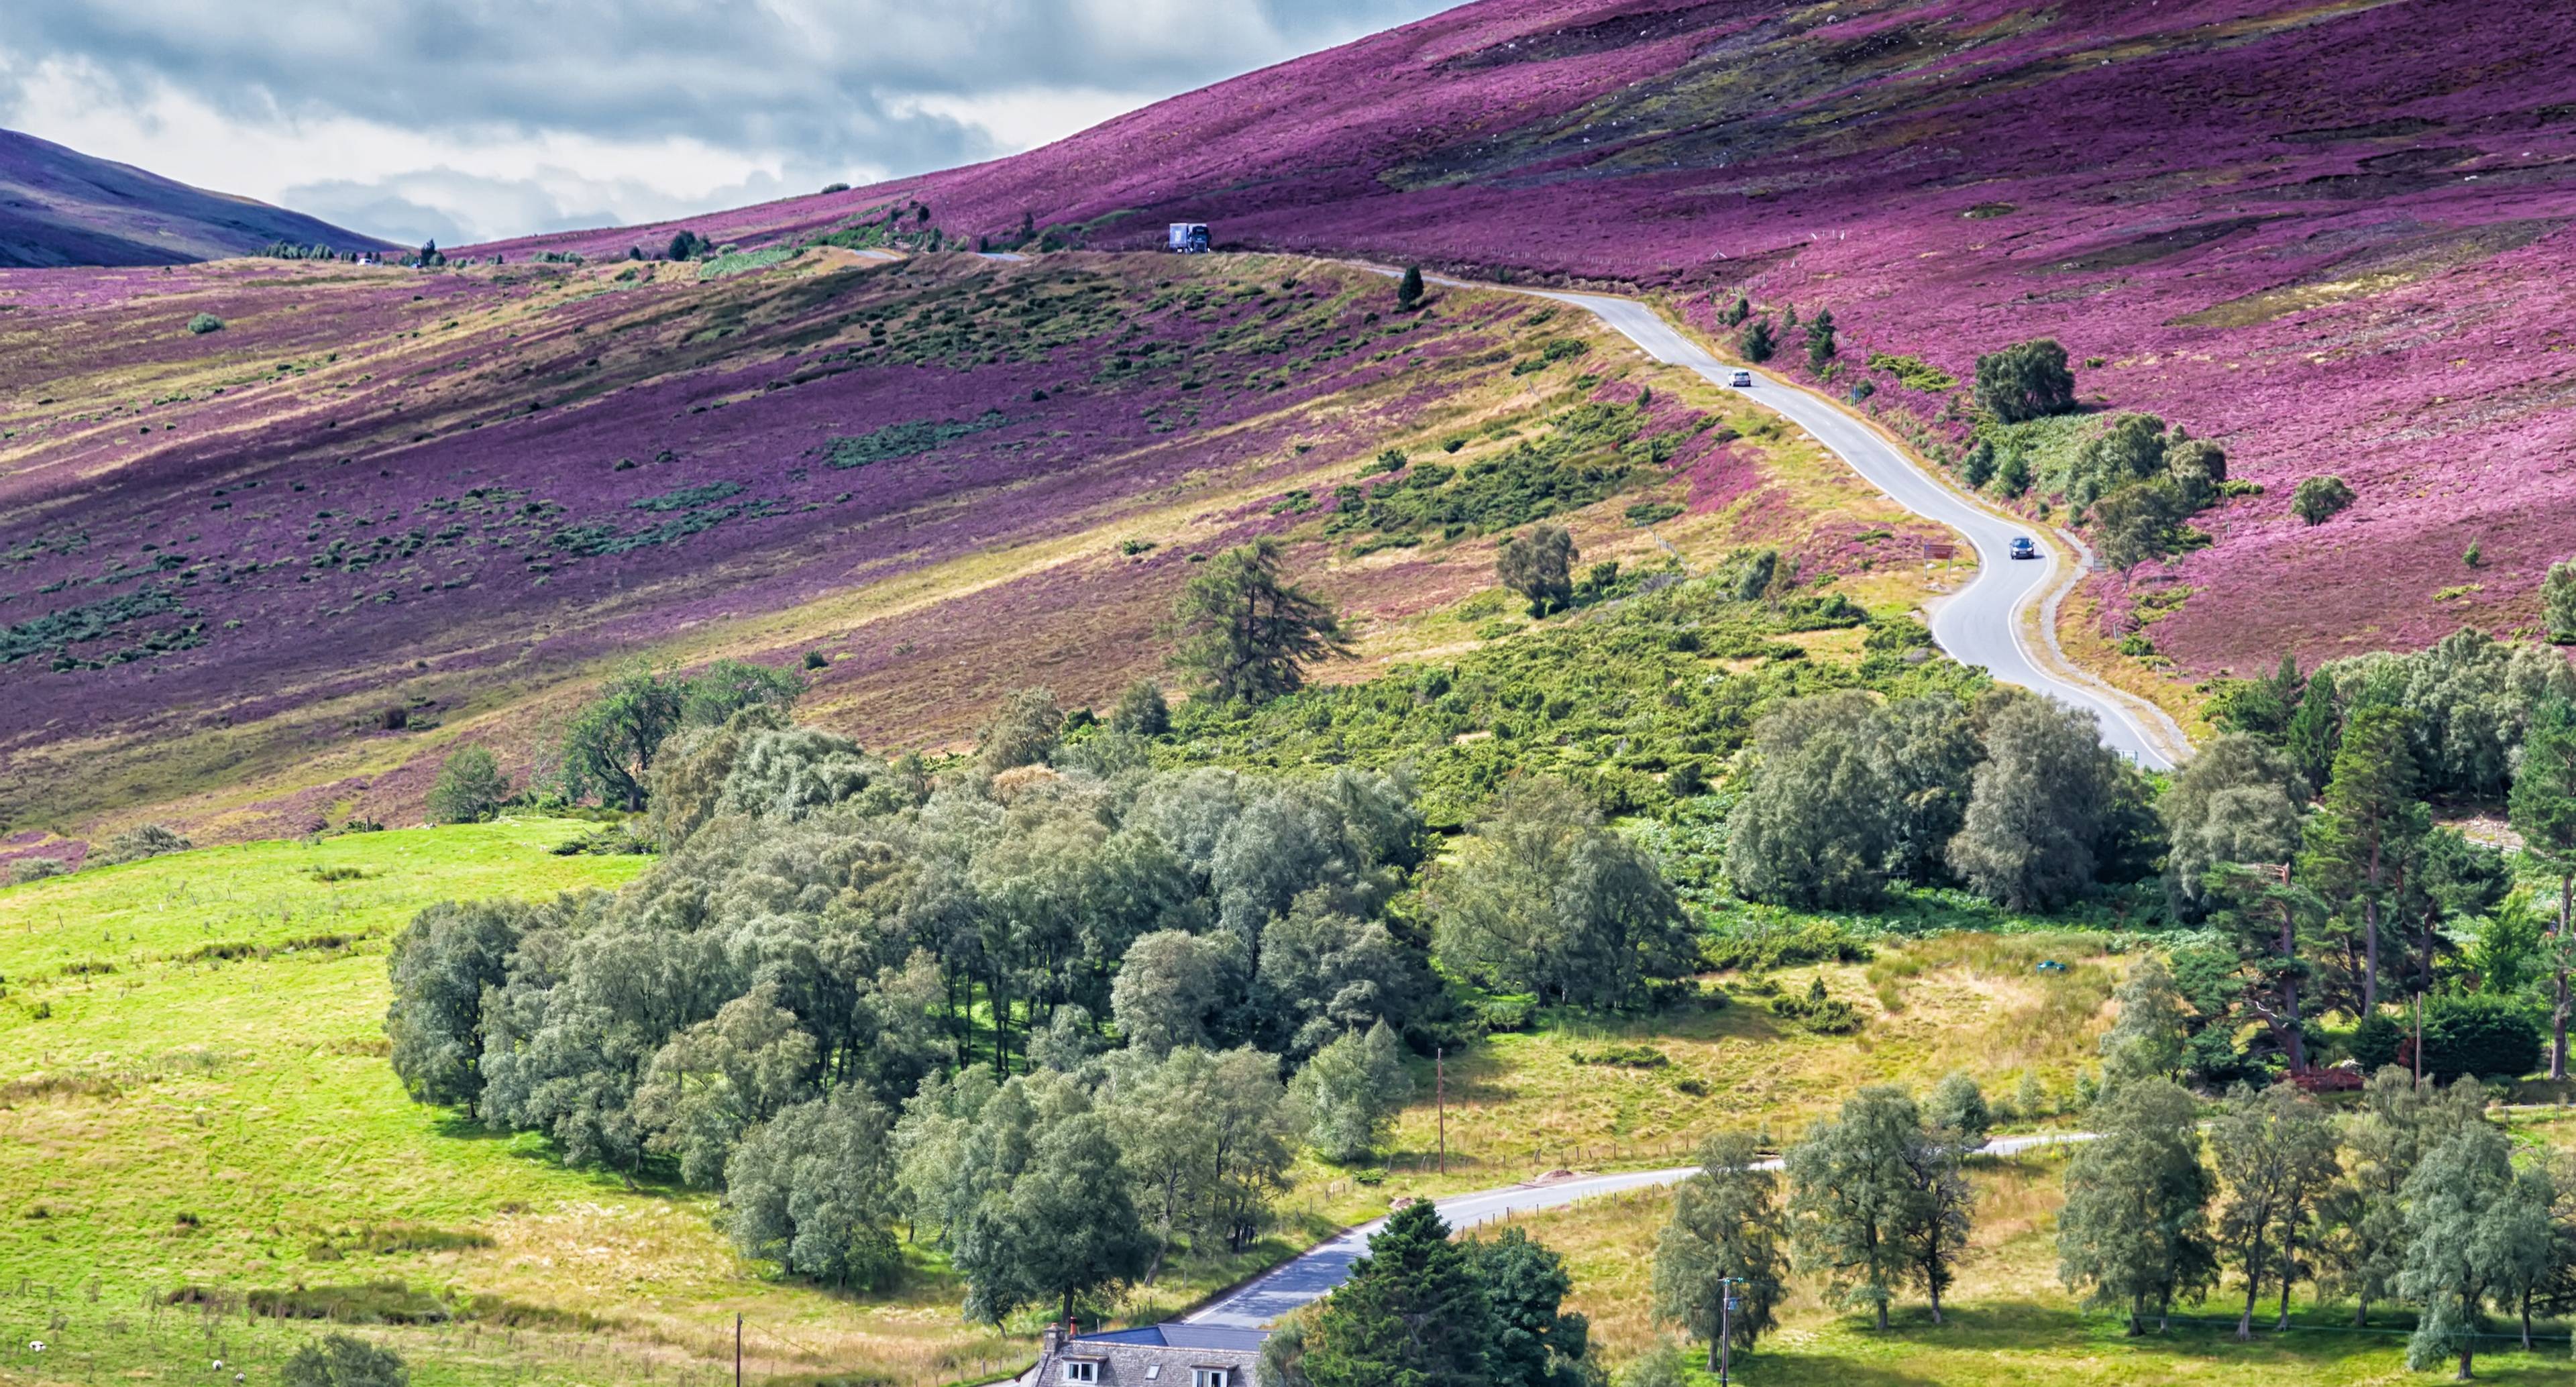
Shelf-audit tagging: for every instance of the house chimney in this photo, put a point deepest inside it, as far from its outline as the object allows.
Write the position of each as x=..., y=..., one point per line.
x=1051, y=1341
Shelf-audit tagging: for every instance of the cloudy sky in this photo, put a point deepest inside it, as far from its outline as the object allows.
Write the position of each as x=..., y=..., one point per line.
x=477, y=119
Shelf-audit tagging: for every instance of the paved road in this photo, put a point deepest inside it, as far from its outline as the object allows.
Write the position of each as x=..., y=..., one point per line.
x=1979, y=625
x=1314, y=1275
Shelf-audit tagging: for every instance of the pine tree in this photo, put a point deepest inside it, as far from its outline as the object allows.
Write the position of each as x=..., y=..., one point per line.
x=2543, y=809
x=1820, y=341
x=1411, y=1315
x=1408, y=292
x=2135, y=1230
x=2366, y=829
x=2558, y=602
x=1247, y=631
x=1757, y=343
x=2315, y=733
x=1737, y=312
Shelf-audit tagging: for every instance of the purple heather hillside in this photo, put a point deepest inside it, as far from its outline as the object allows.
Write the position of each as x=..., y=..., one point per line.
x=61, y=207
x=2333, y=236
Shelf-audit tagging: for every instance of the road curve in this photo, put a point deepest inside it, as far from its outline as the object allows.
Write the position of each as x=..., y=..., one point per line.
x=1314, y=1275
x=1981, y=624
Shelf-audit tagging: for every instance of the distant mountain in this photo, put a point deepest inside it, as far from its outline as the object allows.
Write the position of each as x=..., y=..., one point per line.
x=59, y=206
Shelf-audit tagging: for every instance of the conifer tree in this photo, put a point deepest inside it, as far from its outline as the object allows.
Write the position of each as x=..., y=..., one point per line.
x=1820, y=340
x=2368, y=824
x=2543, y=809
x=1408, y=292
x=1757, y=343
x=1412, y=1312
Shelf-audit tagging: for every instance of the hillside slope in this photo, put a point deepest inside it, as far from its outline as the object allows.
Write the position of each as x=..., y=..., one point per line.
x=2331, y=235
x=61, y=207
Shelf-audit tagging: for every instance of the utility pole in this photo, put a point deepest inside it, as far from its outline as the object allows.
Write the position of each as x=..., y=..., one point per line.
x=737, y=1349
x=1725, y=1328
x=1440, y=1087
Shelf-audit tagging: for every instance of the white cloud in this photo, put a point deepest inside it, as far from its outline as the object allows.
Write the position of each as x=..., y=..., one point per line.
x=500, y=117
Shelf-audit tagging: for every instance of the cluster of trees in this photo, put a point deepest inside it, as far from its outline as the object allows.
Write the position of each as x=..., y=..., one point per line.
x=1430, y=1309
x=2140, y=484
x=1758, y=341
x=1877, y=1202
x=2305, y=839
x=1053, y=1010
x=2009, y=794
x=2409, y=1197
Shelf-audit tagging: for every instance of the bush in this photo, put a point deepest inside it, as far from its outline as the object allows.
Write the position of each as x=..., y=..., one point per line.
x=2376, y=1042
x=1817, y=1011
x=2558, y=602
x=134, y=845
x=344, y=1360
x=27, y=869
x=2027, y=380
x=1762, y=949
x=470, y=788
x=2320, y=499
x=2480, y=1036
x=1624, y=1057
x=205, y=323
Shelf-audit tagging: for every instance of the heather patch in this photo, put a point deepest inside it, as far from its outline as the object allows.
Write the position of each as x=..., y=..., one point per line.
x=909, y=439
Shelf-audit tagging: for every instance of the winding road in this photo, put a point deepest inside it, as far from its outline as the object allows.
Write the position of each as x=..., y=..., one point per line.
x=1315, y=1274
x=1981, y=624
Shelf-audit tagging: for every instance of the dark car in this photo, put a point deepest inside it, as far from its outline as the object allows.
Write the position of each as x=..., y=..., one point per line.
x=2022, y=548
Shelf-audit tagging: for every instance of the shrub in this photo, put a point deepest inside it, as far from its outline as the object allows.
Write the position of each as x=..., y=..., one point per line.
x=1408, y=292
x=2320, y=499
x=27, y=869
x=2479, y=1036
x=2027, y=380
x=816, y=659
x=1758, y=344
x=1623, y=1057
x=204, y=323
x=470, y=788
x=344, y=1360
x=134, y=845
x=1817, y=1011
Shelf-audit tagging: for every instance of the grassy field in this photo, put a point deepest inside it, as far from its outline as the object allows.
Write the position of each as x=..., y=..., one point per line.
x=195, y=1106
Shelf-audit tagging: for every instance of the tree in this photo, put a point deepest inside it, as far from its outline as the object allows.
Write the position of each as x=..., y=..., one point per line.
x=1852, y=1199
x=1064, y=1229
x=2543, y=811
x=2025, y=381
x=813, y=1189
x=726, y=687
x=470, y=788
x=1207, y=1139
x=2319, y=499
x=2315, y=733
x=443, y=965
x=1814, y=828
x=1168, y=985
x=1247, y=632
x=1735, y=313
x=1537, y=1342
x=1820, y=340
x=2040, y=818
x=1726, y=1227
x=2135, y=1230
x=710, y=1083
x=2135, y=522
x=2237, y=801
x=1412, y=1313
x=2558, y=602
x=1350, y=1092
x=1142, y=711
x=1957, y=1111
x=2366, y=828
x=1408, y=291
x=1024, y=732
x=1545, y=898
x=1936, y=1234
x=1757, y=344
x=2468, y=1235
x=2385, y=1138
x=344, y=1360
x=2275, y=1152
x=609, y=747
x=1539, y=566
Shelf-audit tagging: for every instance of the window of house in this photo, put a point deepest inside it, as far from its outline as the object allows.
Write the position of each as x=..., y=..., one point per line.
x=1211, y=1377
x=1081, y=1370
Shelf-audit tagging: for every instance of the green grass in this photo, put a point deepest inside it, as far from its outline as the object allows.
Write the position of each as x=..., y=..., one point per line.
x=194, y=1099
